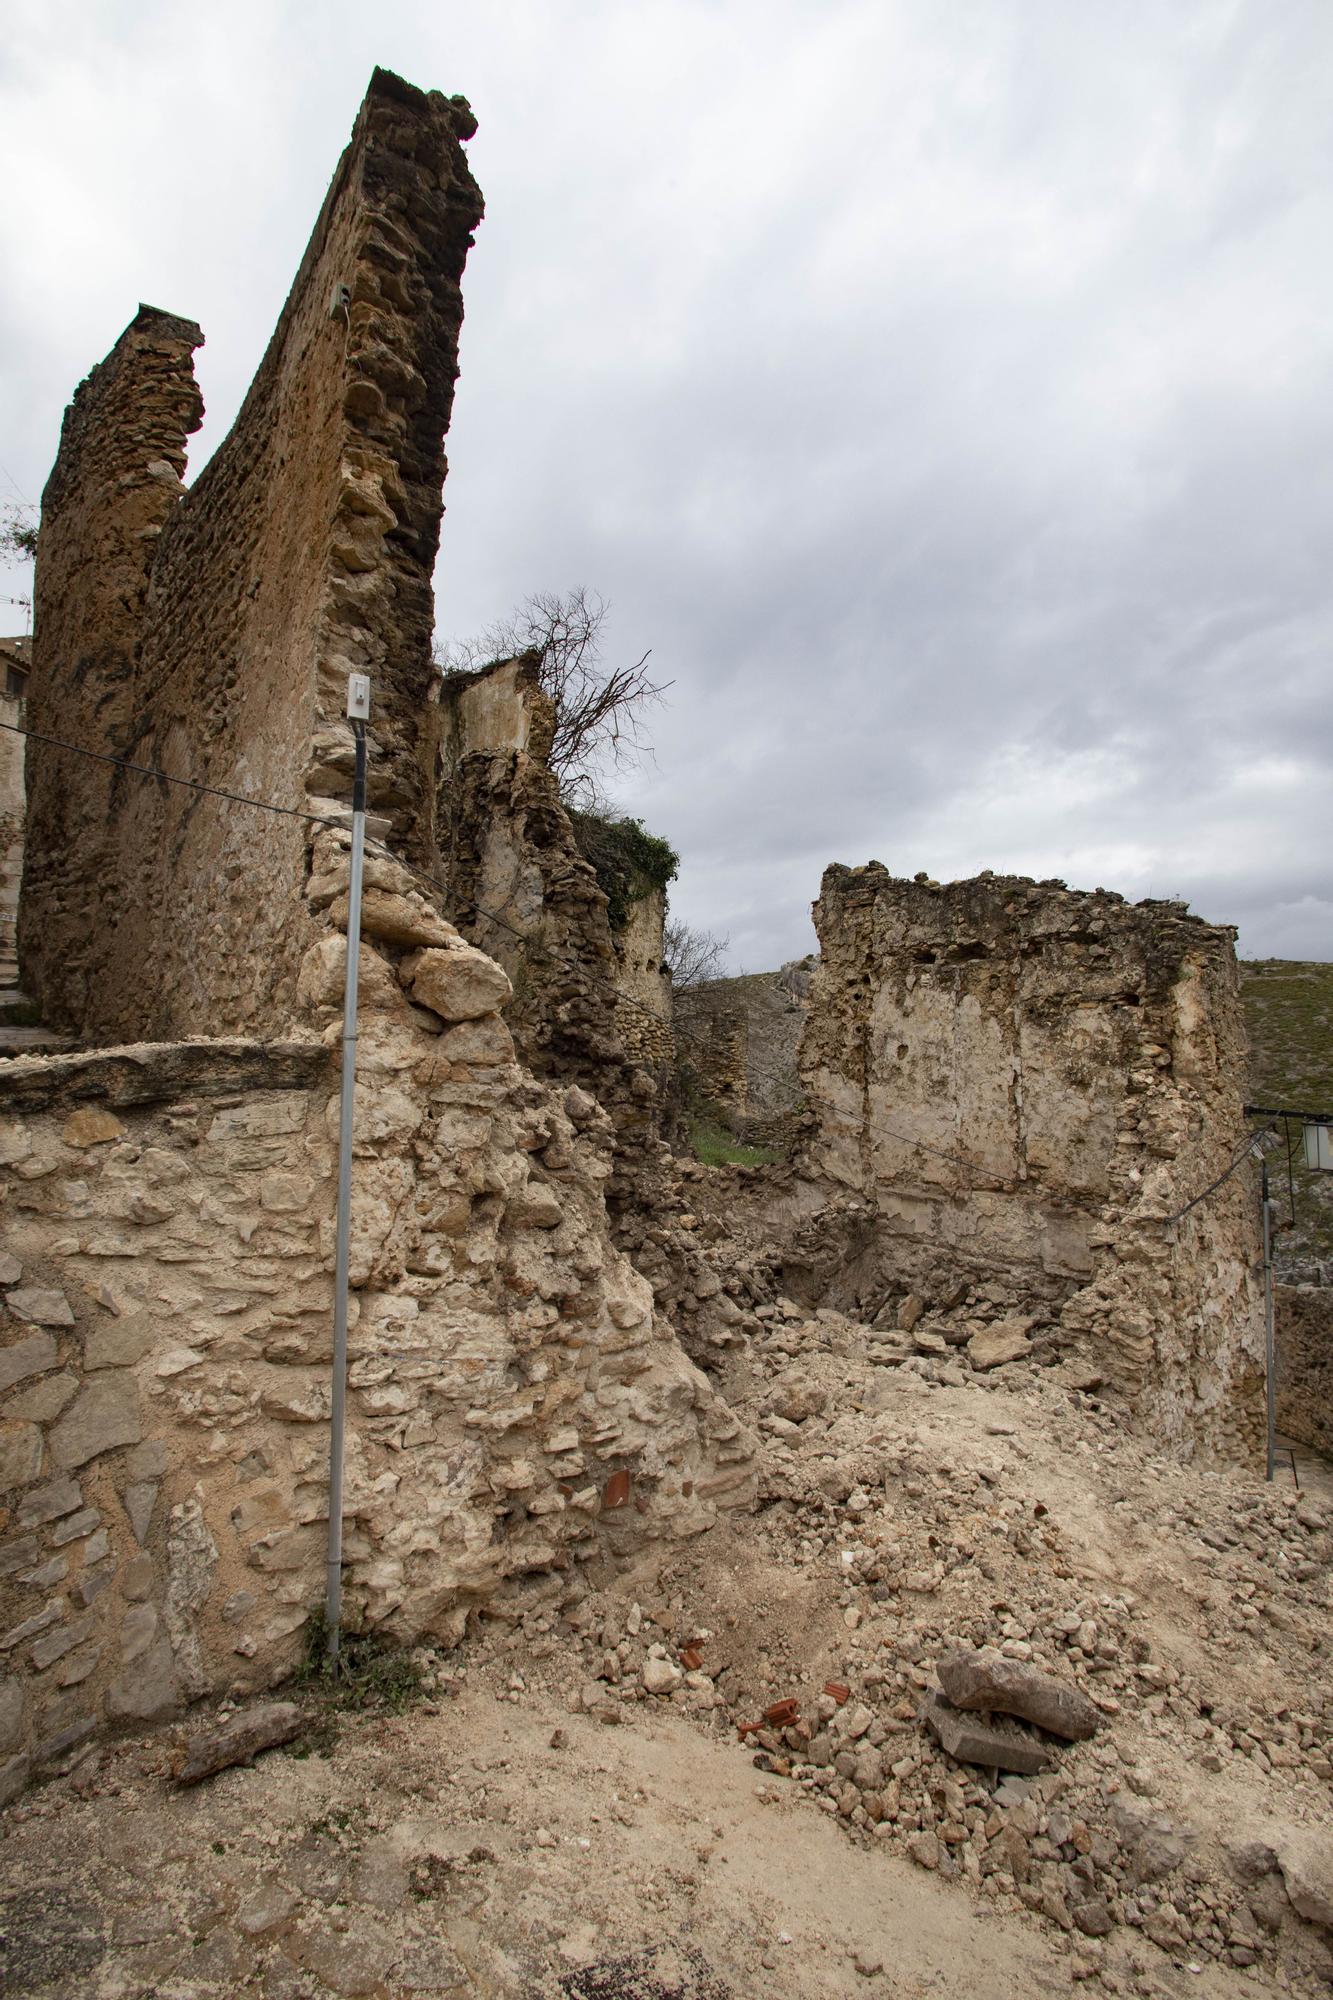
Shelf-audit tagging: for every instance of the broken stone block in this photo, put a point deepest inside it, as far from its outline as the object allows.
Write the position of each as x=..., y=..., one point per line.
x=26, y=1357
x=1306, y=1860
x=535, y=1207
x=41, y=1307
x=150, y=1690
x=459, y=985
x=990, y=1740
x=20, y=1455
x=105, y=1415
x=993, y=1346
x=140, y=1499
x=119, y=1345
x=986, y=1680
x=49, y=1503
x=12, y=1710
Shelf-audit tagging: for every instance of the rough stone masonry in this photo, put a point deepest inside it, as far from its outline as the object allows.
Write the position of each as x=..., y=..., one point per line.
x=1013, y=1083
x=516, y=1401
x=209, y=633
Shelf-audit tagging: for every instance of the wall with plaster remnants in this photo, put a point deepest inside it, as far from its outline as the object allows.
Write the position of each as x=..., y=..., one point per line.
x=1016, y=1081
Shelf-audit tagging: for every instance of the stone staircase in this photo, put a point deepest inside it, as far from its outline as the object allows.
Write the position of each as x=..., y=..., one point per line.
x=21, y=1030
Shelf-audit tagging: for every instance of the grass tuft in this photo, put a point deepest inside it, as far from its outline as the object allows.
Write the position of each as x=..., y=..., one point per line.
x=716, y=1147
x=369, y=1674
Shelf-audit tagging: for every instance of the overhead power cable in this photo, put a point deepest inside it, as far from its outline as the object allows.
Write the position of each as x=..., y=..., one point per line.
x=1238, y=1160
x=165, y=777
x=283, y=812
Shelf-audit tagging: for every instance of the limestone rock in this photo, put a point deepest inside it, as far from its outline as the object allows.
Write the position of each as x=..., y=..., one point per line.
x=459, y=985
x=406, y=920
x=1305, y=1857
x=986, y=1680
x=990, y=1741
x=660, y=1676
x=91, y=1126
x=324, y=970
x=1006, y=1340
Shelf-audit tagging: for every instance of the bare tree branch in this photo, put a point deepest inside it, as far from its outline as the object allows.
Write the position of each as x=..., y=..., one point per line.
x=598, y=711
x=692, y=957
x=18, y=533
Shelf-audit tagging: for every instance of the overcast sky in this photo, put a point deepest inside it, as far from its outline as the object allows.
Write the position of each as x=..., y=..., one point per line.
x=941, y=388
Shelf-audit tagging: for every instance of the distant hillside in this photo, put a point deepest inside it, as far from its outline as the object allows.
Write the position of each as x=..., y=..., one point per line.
x=1290, y=1008
x=1289, y=1005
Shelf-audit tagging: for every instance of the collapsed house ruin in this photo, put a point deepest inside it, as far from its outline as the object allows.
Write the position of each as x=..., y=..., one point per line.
x=1007, y=1084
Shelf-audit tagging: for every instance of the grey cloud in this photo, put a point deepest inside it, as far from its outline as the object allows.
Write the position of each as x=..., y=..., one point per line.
x=945, y=400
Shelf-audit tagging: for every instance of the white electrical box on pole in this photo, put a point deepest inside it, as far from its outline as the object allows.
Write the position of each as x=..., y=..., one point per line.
x=358, y=711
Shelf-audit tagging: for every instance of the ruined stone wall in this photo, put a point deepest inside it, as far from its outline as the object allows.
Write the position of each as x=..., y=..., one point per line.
x=640, y=974
x=15, y=659
x=209, y=634
x=739, y=1043
x=712, y=1034
x=116, y=479
x=165, y=1339
x=1015, y=1082
x=516, y=882
x=1304, y=1340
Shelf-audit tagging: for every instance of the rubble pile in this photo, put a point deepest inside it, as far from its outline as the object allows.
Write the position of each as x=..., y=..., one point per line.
x=921, y=1514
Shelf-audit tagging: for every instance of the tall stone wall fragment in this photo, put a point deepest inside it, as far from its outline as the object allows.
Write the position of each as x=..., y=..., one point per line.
x=1014, y=1083
x=209, y=633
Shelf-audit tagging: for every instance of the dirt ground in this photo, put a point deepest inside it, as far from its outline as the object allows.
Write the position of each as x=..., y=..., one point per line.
x=460, y=1853
x=570, y=1809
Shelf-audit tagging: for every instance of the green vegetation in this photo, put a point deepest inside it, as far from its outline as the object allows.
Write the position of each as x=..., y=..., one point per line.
x=18, y=533
x=629, y=862
x=368, y=1674
x=711, y=1142
x=1289, y=1009
x=1289, y=1006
